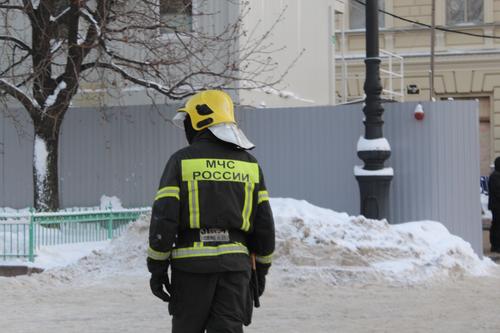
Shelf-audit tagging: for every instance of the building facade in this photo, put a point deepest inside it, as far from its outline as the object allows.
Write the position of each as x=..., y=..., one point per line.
x=301, y=38
x=297, y=38
x=305, y=41
x=466, y=59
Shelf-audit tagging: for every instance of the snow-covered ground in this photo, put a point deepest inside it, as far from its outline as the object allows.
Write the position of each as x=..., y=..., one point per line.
x=14, y=230
x=312, y=243
x=342, y=249
x=331, y=272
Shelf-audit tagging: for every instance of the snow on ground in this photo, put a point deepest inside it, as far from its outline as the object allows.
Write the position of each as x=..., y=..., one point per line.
x=14, y=227
x=123, y=256
x=332, y=273
x=125, y=304
x=56, y=256
x=313, y=243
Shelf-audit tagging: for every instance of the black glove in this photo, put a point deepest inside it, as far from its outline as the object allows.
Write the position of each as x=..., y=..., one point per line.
x=262, y=270
x=159, y=282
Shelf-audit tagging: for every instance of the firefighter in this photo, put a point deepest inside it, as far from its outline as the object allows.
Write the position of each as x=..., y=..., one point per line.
x=210, y=216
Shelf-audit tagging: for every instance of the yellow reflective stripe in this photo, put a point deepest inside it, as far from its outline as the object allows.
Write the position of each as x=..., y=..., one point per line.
x=220, y=170
x=247, y=207
x=208, y=251
x=167, y=195
x=263, y=196
x=157, y=255
x=168, y=191
x=264, y=259
x=194, y=205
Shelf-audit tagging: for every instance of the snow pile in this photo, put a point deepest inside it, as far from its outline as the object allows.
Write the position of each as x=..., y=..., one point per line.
x=54, y=256
x=340, y=249
x=125, y=255
x=112, y=203
x=315, y=243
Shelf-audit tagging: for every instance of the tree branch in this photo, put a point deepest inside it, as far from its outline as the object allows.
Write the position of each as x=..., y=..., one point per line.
x=20, y=61
x=94, y=31
x=148, y=84
x=30, y=104
x=138, y=27
x=172, y=92
x=5, y=5
x=12, y=7
x=142, y=64
x=60, y=15
x=22, y=45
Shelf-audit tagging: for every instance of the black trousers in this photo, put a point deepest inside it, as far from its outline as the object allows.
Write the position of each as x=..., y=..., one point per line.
x=215, y=302
x=495, y=230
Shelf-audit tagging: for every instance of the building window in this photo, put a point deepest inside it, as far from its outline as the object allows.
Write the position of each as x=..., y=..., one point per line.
x=177, y=15
x=357, y=15
x=464, y=11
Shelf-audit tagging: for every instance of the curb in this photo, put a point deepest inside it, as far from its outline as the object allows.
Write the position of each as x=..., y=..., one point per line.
x=9, y=271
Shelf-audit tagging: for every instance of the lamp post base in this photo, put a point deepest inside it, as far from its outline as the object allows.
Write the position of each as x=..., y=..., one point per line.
x=374, y=196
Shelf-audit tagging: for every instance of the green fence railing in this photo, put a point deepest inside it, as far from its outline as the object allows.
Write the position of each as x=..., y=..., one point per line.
x=22, y=234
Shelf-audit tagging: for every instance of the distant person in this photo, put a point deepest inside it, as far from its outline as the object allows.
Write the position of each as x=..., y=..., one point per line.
x=211, y=222
x=494, y=206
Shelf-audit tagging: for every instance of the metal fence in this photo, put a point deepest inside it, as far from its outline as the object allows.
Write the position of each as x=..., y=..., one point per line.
x=14, y=239
x=22, y=234
x=305, y=153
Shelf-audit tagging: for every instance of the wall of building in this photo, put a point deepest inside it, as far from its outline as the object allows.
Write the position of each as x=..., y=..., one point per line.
x=303, y=30
x=466, y=67
x=306, y=153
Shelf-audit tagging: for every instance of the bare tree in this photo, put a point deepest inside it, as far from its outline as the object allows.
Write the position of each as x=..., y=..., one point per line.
x=170, y=47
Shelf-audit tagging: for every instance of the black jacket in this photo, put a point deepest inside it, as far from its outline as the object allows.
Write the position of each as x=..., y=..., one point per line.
x=494, y=188
x=212, y=209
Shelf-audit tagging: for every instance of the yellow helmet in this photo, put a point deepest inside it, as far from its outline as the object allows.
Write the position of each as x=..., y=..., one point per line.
x=208, y=108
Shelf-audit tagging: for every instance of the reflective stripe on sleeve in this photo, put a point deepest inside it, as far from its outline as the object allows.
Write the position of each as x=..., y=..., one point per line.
x=208, y=251
x=168, y=192
x=247, y=207
x=157, y=255
x=264, y=259
x=263, y=196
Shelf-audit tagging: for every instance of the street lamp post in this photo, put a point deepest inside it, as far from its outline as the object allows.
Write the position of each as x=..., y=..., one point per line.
x=374, y=178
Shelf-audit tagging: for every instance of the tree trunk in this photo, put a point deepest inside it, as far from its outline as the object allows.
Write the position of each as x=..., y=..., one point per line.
x=45, y=166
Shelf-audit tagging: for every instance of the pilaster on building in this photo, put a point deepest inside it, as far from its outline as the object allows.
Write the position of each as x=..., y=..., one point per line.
x=496, y=121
